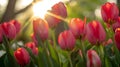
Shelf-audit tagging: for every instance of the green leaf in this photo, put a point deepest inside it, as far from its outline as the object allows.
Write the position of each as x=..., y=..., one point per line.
x=107, y=63
x=9, y=62
x=66, y=64
x=117, y=54
x=2, y=58
x=41, y=58
x=53, y=53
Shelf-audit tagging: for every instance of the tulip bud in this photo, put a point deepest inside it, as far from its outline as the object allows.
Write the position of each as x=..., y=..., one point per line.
x=40, y=28
x=22, y=57
x=95, y=32
x=33, y=47
x=109, y=12
x=93, y=60
x=58, y=9
x=117, y=38
x=77, y=27
x=9, y=30
x=16, y=24
x=66, y=40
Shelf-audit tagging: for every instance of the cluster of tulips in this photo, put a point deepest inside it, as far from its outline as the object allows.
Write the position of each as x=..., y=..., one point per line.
x=92, y=44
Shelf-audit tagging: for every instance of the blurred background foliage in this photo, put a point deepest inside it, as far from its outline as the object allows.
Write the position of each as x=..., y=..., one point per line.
x=22, y=11
x=83, y=8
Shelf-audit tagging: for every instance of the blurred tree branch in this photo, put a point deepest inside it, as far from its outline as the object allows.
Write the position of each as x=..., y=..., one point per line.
x=22, y=10
x=10, y=10
x=118, y=2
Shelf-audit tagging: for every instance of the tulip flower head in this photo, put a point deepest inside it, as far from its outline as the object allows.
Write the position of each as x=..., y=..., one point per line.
x=40, y=28
x=33, y=47
x=117, y=38
x=22, y=57
x=110, y=12
x=93, y=60
x=1, y=34
x=58, y=10
x=16, y=24
x=66, y=40
x=95, y=32
x=77, y=27
x=9, y=30
x=116, y=25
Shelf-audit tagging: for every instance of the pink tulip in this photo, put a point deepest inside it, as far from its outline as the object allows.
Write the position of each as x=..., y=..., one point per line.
x=40, y=28
x=9, y=30
x=58, y=9
x=66, y=40
x=93, y=60
x=109, y=12
x=77, y=27
x=117, y=38
x=52, y=21
x=16, y=24
x=95, y=32
x=22, y=57
x=33, y=47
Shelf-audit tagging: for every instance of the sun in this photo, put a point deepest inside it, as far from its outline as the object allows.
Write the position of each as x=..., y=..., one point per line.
x=40, y=8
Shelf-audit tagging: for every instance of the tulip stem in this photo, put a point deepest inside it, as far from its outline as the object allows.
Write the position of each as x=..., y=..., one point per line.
x=9, y=52
x=69, y=57
x=6, y=43
x=101, y=53
x=48, y=57
x=83, y=51
x=55, y=44
x=37, y=59
x=53, y=36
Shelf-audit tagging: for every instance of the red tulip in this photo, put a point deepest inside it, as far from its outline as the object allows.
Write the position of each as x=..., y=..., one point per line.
x=33, y=47
x=109, y=12
x=93, y=60
x=16, y=24
x=66, y=40
x=77, y=26
x=52, y=21
x=1, y=34
x=117, y=38
x=22, y=57
x=9, y=30
x=116, y=25
x=95, y=32
x=58, y=9
x=40, y=28
x=118, y=19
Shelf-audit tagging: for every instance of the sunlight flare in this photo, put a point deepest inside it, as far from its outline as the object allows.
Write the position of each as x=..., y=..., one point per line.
x=40, y=8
